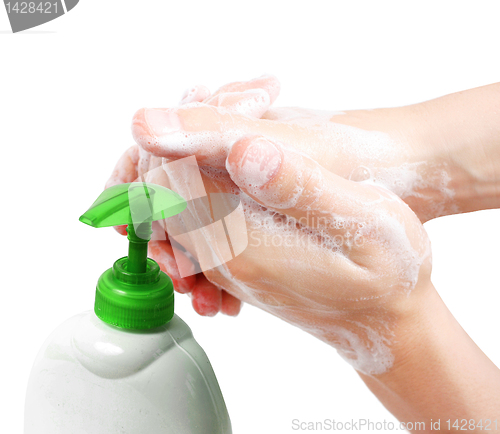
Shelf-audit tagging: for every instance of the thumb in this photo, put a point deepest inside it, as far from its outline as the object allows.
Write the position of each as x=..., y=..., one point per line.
x=369, y=226
x=293, y=184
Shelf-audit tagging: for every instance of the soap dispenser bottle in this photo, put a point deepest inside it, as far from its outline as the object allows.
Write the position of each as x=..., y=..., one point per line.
x=131, y=366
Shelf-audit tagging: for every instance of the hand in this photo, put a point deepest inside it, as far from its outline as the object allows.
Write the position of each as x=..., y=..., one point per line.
x=433, y=172
x=252, y=98
x=232, y=101
x=350, y=264
x=441, y=157
x=334, y=257
x=404, y=347
x=408, y=349
x=372, y=146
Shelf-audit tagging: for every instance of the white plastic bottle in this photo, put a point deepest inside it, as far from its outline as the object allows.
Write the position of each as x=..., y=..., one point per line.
x=132, y=366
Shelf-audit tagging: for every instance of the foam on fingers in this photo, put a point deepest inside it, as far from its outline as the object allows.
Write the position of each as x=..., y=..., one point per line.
x=269, y=83
x=327, y=269
x=251, y=102
x=195, y=129
x=196, y=93
x=349, y=218
x=292, y=183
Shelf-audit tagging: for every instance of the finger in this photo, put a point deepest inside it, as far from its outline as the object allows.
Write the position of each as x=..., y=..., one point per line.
x=126, y=168
x=295, y=185
x=230, y=305
x=202, y=130
x=252, y=102
x=122, y=229
x=251, y=98
x=196, y=93
x=206, y=297
x=268, y=83
x=162, y=253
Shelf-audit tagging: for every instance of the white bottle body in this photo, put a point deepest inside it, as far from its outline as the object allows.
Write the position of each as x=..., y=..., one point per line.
x=90, y=377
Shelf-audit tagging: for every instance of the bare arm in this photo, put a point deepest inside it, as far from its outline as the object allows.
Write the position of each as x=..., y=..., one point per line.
x=439, y=372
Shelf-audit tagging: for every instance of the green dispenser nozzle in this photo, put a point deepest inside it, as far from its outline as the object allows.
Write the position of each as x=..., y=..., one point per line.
x=134, y=293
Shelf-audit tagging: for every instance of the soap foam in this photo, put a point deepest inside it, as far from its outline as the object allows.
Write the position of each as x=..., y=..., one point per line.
x=386, y=162
x=196, y=93
x=251, y=102
x=179, y=143
x=336, y=146
x=410, y=180
x=369, y=354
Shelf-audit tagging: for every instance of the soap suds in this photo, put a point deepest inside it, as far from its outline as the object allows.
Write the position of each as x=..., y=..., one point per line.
x=251, y=102
x=371, y=356
x=196, y=93
x=410, y=180
x=175, y=142
x=368, y=351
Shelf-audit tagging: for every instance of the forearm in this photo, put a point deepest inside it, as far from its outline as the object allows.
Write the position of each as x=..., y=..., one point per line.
x=438, y=371
x=451, y=145
x=461, y=132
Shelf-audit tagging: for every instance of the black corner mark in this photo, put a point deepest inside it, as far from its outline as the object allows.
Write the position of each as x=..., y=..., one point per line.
x=27, y=14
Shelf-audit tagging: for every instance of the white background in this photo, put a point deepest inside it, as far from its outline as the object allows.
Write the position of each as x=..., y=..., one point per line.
x=69, y=89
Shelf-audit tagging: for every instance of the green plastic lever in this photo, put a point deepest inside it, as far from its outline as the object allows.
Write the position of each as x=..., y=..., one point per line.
x=134, y=293
x=137, y=205
x=138, y=201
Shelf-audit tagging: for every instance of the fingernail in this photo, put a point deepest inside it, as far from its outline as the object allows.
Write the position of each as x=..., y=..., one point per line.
x=260, y=163
x=162, y=122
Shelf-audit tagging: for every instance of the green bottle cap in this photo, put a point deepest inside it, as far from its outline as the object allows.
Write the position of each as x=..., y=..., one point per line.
x=134, y=293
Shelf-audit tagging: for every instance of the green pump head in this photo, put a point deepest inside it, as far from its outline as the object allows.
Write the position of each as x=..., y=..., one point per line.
x=134, y=293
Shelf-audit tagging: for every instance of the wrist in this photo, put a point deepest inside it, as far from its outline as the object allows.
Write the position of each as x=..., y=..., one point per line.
x=374, y=338
x=438, y=371
x=458, y=135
